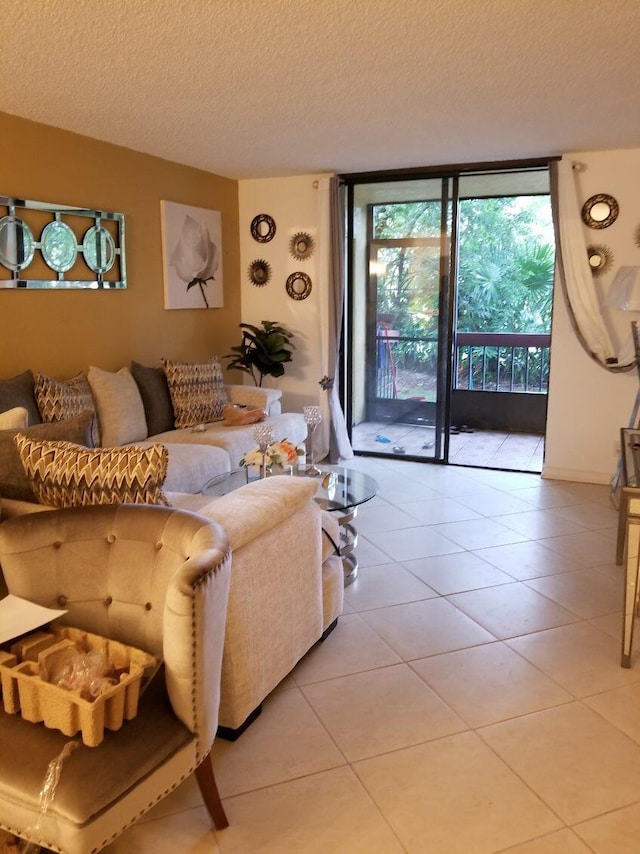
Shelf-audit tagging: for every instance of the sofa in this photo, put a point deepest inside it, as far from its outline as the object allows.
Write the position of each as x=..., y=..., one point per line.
x=138, y=405
x=286, y=581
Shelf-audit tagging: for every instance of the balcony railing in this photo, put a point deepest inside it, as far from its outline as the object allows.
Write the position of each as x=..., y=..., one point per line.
x=505, y=362
x=509, y=362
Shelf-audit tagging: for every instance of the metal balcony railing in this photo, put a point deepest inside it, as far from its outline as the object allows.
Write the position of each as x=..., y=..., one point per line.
x=504, y=362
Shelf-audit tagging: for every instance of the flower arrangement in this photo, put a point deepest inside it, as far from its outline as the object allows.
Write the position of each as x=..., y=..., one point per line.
x=280, y=453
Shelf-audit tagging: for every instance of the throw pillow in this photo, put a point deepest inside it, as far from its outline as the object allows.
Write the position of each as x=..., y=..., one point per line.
x=14, y=419
x=152, y=383
x=119, y=406
x=67, y=475
x=237, y=416
x=14, y=482
x=197, y=391
x=62, y=399
x=18, y=391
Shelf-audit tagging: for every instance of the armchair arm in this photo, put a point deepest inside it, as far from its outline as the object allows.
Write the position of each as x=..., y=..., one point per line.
x=256, y=398
x=193, y=638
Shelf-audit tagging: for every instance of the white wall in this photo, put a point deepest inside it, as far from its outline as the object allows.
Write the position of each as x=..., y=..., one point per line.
x=587, y=404
x=294, y=205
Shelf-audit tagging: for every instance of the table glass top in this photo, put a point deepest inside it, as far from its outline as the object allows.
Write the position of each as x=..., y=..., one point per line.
x=339, y=487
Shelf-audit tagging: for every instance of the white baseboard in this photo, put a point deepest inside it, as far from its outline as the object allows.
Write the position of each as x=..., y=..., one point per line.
x=576, y=475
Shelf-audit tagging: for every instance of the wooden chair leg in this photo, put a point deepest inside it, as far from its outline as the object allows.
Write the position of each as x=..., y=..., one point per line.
x=210, y=795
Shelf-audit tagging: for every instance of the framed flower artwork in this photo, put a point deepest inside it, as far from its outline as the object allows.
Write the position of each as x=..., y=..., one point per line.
x=191, y=256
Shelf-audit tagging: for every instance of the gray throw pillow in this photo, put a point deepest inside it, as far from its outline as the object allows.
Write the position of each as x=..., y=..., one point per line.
x=14, y=482
x=18, y=391
x=154, y=391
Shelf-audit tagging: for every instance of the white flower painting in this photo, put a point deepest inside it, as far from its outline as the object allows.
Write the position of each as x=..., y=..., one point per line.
x=192, y=256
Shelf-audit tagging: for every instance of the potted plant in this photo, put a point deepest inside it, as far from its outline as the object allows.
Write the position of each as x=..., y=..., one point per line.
x=263, y=351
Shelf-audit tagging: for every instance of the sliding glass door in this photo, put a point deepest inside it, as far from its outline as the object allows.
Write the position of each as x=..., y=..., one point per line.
x=449, y=311
x=400, y=319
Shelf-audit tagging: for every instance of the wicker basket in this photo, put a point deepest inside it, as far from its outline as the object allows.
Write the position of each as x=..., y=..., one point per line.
x=25, y=692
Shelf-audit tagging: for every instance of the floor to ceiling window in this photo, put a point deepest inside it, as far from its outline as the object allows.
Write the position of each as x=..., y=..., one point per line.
x=448, y=316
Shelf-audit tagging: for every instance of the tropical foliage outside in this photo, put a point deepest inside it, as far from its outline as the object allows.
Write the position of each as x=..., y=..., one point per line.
x=505, y=281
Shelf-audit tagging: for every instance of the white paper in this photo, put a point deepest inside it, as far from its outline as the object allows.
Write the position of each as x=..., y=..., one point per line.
x=19, y=616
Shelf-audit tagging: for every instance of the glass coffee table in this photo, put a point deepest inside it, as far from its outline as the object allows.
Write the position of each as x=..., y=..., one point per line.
x=341, y=490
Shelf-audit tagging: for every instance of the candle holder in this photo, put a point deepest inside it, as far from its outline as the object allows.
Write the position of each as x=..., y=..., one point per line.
x=312, y=417
x=263, y=434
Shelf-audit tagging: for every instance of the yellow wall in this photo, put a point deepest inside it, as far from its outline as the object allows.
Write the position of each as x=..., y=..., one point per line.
x=63, y=332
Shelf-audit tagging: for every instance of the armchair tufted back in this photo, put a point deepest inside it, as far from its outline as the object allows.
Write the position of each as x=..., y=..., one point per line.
x=152, y=577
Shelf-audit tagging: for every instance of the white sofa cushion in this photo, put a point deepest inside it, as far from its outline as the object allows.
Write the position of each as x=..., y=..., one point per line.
x=192, y=466
x=237, y=440
x=14, y=419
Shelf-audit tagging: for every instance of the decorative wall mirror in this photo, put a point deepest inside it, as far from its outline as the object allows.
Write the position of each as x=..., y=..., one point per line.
x=84, y=248
x=263, y=228
x=298, y=286
x=301, y=246
x=600, y=211
x=259, y=272
x=17, y=245
x=600, y=258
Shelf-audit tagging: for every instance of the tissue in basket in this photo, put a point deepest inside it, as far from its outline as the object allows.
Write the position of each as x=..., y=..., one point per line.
x=24, y=691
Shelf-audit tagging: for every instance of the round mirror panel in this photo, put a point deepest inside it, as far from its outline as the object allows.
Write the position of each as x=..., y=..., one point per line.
x=600, y=211
x=17, y=245
x=99, y=250
x=298, y=286
x=58, y=246
x=263, y=228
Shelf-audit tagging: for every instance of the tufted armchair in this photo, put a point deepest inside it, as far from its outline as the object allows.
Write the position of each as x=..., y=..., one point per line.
x=154, y=578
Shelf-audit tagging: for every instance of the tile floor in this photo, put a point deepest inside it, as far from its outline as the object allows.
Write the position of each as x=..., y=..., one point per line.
x=470, y=700
x=486, y=448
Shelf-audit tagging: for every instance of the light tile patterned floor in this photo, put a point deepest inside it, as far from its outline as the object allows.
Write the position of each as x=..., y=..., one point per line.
x=470, y=700
x=487, y=448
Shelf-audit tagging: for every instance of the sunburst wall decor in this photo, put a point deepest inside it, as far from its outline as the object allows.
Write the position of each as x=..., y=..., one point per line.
x=259, y=272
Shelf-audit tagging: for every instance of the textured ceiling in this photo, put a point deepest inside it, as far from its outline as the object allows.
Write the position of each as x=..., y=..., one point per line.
x=260, y=88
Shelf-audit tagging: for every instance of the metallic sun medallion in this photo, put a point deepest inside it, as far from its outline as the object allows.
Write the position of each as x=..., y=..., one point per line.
x=600, y=258
x=301, y=246
x=259, y=272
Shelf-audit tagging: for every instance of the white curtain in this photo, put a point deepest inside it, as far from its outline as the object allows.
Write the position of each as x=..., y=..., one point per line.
x=331, y=277
x=575, y=272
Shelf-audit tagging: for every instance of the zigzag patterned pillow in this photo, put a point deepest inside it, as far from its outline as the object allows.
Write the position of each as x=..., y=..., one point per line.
x=63, y=474
x=61, y=399
x=197, y=391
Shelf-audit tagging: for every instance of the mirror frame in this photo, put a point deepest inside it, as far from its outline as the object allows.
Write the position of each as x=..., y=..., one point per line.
x=259, y=220
x=600, y=199
x=296, y=292
x=82, y=222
